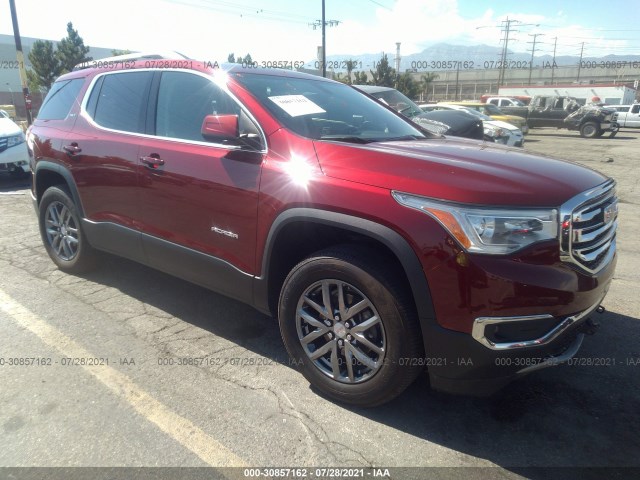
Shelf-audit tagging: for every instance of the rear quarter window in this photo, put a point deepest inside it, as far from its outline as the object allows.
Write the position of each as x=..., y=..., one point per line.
x=118, y=101
x=60, y=99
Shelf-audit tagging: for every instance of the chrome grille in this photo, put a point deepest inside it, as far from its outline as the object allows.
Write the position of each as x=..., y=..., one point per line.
x=588, y=228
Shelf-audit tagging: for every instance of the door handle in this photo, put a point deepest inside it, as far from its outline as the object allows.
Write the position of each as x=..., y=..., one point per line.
x=152, y=161
x=72, y=149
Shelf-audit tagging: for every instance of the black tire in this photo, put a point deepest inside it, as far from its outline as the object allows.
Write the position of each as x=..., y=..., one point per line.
x=62, y=234
x=360, y=276
x=600, y=133
x=589, y=130
x=613, y=134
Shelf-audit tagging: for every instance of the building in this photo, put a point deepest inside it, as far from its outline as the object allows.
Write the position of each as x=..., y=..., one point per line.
x=471, y=84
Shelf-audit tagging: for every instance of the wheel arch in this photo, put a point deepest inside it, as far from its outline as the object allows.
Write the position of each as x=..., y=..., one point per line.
x=48, y=174
x=298, y=232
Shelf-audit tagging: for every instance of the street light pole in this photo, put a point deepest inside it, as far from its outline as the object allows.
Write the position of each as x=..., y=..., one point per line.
x=323, y=23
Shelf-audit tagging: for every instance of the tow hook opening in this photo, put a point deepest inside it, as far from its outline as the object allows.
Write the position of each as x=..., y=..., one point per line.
x=590, y=326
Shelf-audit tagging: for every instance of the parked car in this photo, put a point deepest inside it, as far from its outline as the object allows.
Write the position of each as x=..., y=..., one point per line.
x=505, y=102
x=494, y=112
x=628, y=115
x=593, y=121
x=14, y=157
x=380, y=248
x=456, y=125
x=494, y=130
x=499, y=100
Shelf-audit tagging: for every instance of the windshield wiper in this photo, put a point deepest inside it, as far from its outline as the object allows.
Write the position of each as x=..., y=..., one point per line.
x=349, y=139
x=405, y=137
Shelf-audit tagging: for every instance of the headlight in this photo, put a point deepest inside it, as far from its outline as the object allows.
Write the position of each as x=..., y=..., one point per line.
x=15, y=140
x=488, y=230
x=496, y=132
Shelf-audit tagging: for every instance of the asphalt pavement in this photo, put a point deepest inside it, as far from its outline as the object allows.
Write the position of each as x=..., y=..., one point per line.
x=129, y=367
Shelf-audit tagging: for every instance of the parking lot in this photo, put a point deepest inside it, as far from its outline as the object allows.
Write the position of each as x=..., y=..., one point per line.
x=174, y=375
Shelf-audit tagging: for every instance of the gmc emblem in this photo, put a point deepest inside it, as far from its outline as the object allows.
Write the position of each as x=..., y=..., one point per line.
x=610, y=213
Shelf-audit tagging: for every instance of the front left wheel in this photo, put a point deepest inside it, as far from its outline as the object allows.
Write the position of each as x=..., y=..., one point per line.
x=350, y=326
x=589, y=130
x=62, y=233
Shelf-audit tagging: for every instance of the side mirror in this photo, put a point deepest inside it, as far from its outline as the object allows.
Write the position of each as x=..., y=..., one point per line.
x=220, y=127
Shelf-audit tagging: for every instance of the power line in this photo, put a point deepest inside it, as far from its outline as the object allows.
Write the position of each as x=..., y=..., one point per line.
x=381, y=5
x=246, y=11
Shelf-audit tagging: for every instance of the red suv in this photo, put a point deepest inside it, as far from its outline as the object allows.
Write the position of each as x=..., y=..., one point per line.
x=381, y=248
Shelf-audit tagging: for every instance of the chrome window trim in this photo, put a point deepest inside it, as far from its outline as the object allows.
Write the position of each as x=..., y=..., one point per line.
x=92, y=122
x=480, y=324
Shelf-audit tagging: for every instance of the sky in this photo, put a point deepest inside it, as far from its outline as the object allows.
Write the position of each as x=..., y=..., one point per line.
x=282, y=30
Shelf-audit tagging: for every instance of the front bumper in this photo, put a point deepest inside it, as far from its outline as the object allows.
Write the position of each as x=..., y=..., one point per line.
x=478, y=370
x=507, y=318
x=14, y=158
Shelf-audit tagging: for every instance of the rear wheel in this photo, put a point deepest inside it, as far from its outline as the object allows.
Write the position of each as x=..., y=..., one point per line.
x=350, y=326
x=589, y=130
x=62, y=233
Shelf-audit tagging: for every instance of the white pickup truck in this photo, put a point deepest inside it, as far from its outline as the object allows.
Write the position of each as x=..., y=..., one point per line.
x=628, y=115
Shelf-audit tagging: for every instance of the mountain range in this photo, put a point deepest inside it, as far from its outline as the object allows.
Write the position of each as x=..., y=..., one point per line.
x=482, y=56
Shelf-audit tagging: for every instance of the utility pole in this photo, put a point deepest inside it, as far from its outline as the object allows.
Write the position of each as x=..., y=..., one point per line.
x=457, y=76
x=503, y=58
x=323, y=23
x=506, y=28
x=324, y=44
x=20, y=58
x=505, y=50
x=397, y=63
x=553, y=64
x=580, y=62
x=533, y=51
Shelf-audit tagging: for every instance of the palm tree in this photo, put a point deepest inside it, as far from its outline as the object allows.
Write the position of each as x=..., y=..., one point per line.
x=425, y=81
x=350, y=64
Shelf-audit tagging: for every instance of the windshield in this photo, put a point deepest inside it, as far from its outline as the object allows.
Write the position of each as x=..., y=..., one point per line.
x=319, y=110
x=476, y=113
x=398, y=102
x=491, y=109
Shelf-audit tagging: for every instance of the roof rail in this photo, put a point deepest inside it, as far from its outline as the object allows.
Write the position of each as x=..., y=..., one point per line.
x=133, y=57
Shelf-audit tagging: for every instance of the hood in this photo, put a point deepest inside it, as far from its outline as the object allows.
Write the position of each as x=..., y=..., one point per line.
x=514, y=119
x=459, y=170
x=501, y=124
x=595, y=111
x=8, y=128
